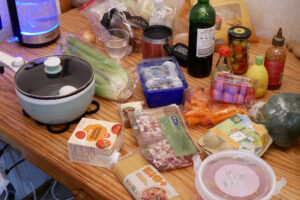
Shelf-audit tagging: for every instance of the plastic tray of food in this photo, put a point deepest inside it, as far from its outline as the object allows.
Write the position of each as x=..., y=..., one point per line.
x=162, y=81
x=230, y=88
x=199, y=109
x=163, y=137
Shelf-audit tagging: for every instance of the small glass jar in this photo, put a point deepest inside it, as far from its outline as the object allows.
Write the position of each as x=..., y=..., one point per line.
x=238, y=39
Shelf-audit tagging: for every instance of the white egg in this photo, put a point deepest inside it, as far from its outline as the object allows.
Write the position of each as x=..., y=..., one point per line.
x=67, y=89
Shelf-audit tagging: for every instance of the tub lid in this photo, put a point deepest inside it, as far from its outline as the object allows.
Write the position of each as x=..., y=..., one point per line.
x=54, y=77
x=235, y=175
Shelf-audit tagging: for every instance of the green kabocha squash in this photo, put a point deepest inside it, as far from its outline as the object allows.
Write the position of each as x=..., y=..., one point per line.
x=281, y=116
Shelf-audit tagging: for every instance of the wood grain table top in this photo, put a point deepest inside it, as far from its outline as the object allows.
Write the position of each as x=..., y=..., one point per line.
x=49, y=152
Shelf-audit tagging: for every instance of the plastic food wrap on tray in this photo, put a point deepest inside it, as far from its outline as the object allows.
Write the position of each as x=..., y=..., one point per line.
x=230, y=88
x=112, y=81
x=162, y=81
x=163, y=137
x=199, y=109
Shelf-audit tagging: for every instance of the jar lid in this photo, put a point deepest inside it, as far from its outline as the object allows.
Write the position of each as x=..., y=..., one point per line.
x=157, y=34
x=239, y=32
x=54, y=77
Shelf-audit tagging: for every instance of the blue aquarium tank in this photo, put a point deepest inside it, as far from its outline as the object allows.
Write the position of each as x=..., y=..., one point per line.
x=35, y=22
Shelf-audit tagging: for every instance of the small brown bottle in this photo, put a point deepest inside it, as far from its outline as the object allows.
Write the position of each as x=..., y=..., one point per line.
x=275, y=61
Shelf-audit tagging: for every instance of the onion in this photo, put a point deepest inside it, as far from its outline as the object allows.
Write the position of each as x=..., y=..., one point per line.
x=88, y=35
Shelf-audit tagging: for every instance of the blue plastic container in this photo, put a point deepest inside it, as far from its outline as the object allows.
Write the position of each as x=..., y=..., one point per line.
x=162, y=97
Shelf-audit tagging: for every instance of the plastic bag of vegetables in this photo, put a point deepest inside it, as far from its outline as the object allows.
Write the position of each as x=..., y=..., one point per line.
x=112, y=81
x=281, y=116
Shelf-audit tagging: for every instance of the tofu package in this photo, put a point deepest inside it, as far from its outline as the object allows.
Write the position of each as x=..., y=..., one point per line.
x=236, y=133
x=95, y=142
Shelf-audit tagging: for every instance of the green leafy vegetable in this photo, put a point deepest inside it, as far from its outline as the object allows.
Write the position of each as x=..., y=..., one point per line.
x=111, y=80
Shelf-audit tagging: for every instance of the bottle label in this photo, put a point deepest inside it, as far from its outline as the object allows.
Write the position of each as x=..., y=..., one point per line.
x=205, y=41
x=275, y=71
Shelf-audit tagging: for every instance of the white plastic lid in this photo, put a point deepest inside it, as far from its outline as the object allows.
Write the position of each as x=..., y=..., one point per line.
x=235, y=175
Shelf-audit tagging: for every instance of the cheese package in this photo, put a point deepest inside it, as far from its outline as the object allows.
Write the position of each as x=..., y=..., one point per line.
x=236, y=133
x=95, y=142
x=142, y=180
x=129, y=107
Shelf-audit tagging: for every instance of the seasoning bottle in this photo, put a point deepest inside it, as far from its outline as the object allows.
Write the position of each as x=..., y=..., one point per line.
x=259, y=73
x=223, y=63
x=275, y=61
x=202, y=20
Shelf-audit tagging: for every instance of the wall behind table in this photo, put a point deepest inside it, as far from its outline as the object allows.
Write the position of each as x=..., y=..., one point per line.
x=268, y=15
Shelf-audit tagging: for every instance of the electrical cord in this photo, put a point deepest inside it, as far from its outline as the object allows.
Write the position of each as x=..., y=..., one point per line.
x=52, y=192
x=31, y=185
x=17, y=163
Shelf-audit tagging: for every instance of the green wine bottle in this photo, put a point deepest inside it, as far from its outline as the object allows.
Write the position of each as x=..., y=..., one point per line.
x=201, y=39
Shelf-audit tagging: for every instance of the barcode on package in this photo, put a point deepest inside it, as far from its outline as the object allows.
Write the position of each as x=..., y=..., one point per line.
x=81, y=154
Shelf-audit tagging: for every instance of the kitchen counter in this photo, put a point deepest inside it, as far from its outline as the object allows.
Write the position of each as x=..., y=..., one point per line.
x=49, y=152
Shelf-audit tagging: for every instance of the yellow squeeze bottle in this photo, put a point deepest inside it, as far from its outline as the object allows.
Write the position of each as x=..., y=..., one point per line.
x=259, y=73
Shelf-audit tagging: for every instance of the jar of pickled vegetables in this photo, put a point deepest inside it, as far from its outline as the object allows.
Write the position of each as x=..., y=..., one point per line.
x=238, y=38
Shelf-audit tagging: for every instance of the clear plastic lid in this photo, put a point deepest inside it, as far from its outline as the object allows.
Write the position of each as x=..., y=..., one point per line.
x=235, y=175
x=229, y=88
x=54, y=77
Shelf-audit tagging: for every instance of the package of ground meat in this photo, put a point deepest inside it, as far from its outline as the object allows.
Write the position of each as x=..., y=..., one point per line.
x=163, y=137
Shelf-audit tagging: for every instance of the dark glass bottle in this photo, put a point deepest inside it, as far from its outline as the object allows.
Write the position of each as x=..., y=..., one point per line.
x=201, y=39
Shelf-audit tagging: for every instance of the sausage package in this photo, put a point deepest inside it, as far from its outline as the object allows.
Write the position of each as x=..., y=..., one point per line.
x=163, y=137
x=142, y=180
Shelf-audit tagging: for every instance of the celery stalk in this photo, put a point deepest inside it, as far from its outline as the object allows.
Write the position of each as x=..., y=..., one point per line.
x=111, y=80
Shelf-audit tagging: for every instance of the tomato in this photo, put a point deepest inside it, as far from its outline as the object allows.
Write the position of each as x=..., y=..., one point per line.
x=243, y=90
x=102, y=144
x=216, y=95
x=232, y=88
x=239, y=99
x=218, y=85
x=250, y=97
x=80, y=135
x=227, y=97
x=116, y=129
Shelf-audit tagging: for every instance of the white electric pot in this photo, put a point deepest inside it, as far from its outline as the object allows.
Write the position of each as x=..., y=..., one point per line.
x=53, y=89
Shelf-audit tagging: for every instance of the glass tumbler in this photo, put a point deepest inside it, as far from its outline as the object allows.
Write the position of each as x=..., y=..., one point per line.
x=116, y=42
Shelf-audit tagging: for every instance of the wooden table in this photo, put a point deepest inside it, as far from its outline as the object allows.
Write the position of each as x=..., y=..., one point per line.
x=49, y=152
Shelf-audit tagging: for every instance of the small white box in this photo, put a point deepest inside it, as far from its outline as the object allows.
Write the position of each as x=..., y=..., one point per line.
x=95, y=142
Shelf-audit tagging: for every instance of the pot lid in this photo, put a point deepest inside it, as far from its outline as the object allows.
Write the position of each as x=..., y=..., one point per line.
x=54, y=77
